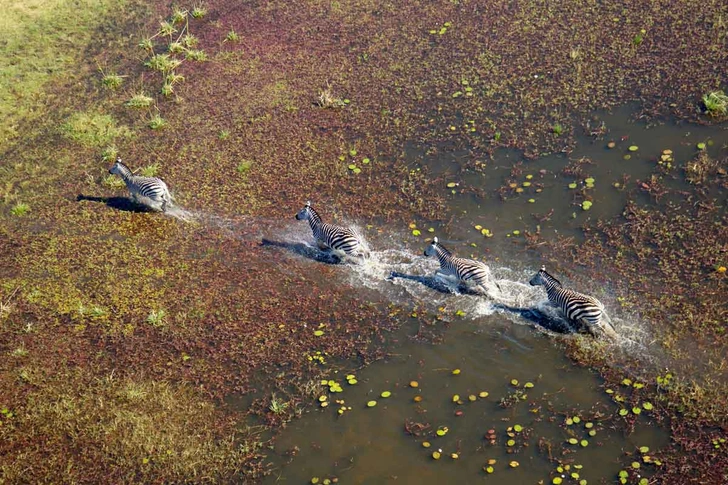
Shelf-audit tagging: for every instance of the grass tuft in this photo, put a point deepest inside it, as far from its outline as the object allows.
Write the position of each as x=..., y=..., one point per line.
x=157, y=122
x=93, y=129
x=20, y=209
x=716, y=103
x=139, y=100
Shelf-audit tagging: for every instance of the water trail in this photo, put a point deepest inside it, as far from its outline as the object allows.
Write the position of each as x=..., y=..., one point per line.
x=404, y=277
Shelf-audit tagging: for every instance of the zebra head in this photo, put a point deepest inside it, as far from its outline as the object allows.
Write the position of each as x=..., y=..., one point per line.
x=304, y=213
x=540, y=277
x=119, y=168
x=431, y=250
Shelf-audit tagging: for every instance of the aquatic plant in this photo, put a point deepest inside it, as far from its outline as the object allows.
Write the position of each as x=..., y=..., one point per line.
x=716, y=103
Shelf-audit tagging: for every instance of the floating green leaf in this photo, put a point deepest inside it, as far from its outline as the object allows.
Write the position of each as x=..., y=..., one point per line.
x=634, y=148
x=623, y=412
x=573, y=441
x=701, y=146
x=572, y=185
x=584, y=443
x=647, y=406
x=318, y=333
x=511, y=442
x=386, y=394
x=371, y=404
x=450, y=185
x=517, y=428
x=586, y=205
x=366, y=161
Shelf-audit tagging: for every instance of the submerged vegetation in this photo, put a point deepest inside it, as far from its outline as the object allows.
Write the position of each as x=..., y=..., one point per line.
x=126, y=332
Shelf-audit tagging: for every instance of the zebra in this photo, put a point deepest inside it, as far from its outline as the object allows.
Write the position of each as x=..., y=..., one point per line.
x=342, y=241
x=586, y=311
x=151, y=192
x=474, y=274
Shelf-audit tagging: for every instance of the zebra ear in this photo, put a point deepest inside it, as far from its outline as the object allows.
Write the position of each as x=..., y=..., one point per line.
x=118, y=159
x=543, y=268
x=308, y=203
x=434, y=240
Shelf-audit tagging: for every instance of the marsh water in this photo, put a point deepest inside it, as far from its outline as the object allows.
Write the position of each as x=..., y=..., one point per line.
x=494, y=363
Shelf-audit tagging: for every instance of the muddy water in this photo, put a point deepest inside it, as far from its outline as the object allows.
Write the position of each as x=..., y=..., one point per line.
x=496, y=351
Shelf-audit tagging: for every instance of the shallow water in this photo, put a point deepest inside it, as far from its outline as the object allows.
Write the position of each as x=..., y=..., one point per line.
x=514, y=334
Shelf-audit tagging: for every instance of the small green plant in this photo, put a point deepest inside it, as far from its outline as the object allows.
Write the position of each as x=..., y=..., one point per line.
x=157, y=122
x=166, y=28
x=199, y=12
x=178, y=16
x=232, y=36
x=639, y=38
x=19, y=352
x=196, y=55
x=716, y=103
x=277, y=406
x=497, y=136
x=557, y=129
x=146, y=44
x=157, y=318
x=327, y=99
x=190, y=41
x=163, y=62
x=244, y=166
x=113, y=182
x=139, y=100
x=111, y=80
x=109, y=153
x=20, y=209
x=223, y=135
x=149, y=170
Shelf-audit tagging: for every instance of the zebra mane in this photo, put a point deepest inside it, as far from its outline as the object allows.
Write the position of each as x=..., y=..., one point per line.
x=436, y=242
x=548, y=275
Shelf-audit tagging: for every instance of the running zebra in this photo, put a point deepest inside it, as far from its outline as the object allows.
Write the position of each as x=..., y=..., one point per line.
x=474, y=274
x=584, y=310
x=151, y=192
x=342, y=241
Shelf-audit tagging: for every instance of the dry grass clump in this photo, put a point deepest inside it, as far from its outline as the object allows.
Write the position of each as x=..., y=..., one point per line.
x=701, y=169
x=73, y=428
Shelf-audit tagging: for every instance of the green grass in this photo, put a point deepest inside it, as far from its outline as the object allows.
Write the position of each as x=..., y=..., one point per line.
x=157, y=122
x=157, y=318
x=244, y=166
x=136, y=430
x=94, y=130
x=139, y=100
x=41, y=42
x=150, y=170
x=716, y=103
x=20, y=209
x=232, y=36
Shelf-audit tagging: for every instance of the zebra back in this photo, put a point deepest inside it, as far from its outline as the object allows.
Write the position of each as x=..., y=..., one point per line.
x=336, y=237
x=464, y=269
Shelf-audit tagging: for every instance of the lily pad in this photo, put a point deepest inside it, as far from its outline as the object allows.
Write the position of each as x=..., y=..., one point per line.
x=572, y=185
x=584, y=443
x=701, y=146
x=647, y=406
x=386, y=394
x=517, y=428
x=318, y=333
x=371, y=404
x=416, y=232
x=455, y=372
x=450, y=185
x=634, y=148
x=436, y=455
x=366, y=161
x=586, y=205
x=414, y=384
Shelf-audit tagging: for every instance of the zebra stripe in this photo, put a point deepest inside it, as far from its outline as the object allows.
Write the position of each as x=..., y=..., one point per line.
x=582, y=309
x=340, y=239
x=465, y=270
x=149, y=191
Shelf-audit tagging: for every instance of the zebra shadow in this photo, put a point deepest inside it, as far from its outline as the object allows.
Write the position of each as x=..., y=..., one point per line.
x=118, y=203
x=538, y=318
x=302, y=249
x=533, y=315
x=434, y=283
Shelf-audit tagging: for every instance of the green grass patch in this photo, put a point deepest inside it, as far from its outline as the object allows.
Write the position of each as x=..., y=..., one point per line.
x=41, y=42
x=20, y=209
x=94, y=130
x=134, y=429
x=716, y=103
